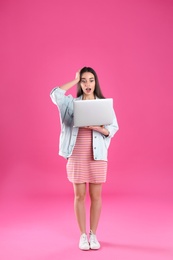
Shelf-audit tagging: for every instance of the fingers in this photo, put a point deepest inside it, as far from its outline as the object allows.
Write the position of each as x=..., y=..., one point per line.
x=78, y=75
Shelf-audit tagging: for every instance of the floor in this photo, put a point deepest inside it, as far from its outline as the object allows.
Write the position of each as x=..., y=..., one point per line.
x=44, y=228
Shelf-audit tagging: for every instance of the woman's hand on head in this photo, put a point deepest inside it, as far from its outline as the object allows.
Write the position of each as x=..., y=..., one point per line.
x=77, y=76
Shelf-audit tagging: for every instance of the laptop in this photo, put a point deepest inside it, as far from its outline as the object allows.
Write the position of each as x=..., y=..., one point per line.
x=93, y=112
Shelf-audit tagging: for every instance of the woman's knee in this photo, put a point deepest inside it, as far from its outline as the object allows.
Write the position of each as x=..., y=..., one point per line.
x=80, y=197
x=95, y=192
x=80, y=192
x=95, y=197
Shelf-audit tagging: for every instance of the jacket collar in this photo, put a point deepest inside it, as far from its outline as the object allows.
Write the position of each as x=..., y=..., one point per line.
x=80, y=98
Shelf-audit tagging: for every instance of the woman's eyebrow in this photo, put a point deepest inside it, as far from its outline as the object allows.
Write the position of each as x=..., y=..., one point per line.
x=89, y=78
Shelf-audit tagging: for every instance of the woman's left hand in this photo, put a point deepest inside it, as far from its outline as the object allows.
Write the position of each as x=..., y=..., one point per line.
x=94, y=127
x=101, y=129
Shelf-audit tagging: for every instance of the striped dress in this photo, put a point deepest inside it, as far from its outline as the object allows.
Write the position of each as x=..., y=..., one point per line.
x=81, y=167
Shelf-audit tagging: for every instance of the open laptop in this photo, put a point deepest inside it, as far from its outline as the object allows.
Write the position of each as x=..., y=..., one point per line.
x=93, y=112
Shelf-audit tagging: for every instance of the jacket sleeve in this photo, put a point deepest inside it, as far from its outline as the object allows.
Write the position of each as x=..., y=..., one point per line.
x=63, y=102
x=58, y=97
x=113, y=128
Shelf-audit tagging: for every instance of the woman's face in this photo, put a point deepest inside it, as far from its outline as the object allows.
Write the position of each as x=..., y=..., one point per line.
x=88, y=83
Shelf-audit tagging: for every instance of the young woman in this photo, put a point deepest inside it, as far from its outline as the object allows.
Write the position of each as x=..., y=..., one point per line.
x=86, y=150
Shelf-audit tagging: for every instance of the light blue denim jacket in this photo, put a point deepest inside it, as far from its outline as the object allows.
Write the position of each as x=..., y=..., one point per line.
x=69, y=133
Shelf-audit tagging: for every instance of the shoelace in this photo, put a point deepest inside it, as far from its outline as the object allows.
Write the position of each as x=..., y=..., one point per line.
x=93, y=238
x=84, y=239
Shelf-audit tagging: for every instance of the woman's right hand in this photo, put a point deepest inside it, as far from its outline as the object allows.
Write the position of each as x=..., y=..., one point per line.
x=77, y=76
x=70, y=84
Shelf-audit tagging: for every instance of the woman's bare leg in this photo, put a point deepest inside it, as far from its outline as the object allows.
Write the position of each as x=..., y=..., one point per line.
x=96, y=205
x=79, y=205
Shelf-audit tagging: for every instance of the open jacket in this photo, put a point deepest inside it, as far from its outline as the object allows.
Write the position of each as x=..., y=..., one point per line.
x=69, y=133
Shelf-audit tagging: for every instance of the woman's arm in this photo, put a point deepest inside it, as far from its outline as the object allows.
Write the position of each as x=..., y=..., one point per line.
x=71, y=83
x=107, y=130
x=100, y=129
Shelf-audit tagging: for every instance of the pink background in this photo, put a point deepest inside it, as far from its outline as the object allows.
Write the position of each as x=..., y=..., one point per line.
x=129, y=44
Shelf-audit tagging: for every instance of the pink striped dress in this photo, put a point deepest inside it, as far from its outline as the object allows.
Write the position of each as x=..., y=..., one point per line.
x=81, y=167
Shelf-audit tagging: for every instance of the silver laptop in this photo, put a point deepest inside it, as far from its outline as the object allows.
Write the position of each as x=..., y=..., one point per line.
x=93, y=112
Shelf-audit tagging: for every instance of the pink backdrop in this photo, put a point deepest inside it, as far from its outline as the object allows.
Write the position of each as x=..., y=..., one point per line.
x=129, y=44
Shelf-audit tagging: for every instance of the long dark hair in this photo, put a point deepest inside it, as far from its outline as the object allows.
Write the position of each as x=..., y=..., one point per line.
x=97, y=91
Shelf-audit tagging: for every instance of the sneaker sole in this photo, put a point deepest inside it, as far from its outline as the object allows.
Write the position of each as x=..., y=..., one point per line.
x=95, y=248
x=84, y=249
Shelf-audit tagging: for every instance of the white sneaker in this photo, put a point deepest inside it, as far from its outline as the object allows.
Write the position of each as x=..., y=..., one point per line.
x=94, y=244
x=83, y=242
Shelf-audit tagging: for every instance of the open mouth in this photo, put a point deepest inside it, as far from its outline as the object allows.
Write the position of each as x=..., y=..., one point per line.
x=88, y=89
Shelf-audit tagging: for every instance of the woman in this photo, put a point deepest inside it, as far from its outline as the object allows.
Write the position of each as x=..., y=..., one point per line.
x=86, y=150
